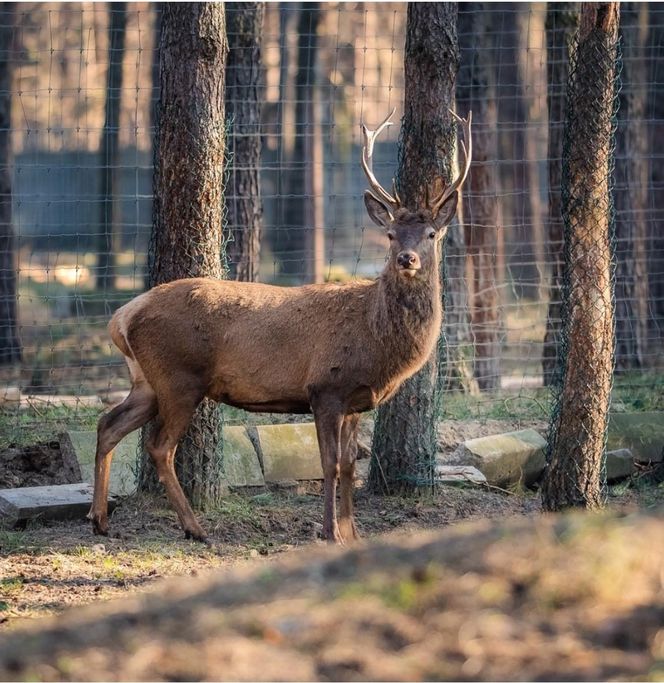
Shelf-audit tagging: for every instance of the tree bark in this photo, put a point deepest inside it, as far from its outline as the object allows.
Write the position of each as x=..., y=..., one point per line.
x=110, y=234
x=515, y=181
x=561, y=22
x=404, y=442
x=10, y=346
x=188, y=199
x=577, y=440
x=656, y=185
x=631, y=193
x=244, y=208
x=476, y=92
x=530, y=82
x=292, y=239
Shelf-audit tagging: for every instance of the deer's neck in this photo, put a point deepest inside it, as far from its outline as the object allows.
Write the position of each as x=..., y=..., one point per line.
x=408, y=313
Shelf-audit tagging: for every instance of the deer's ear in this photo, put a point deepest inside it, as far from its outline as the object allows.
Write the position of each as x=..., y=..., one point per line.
x=446, y=212
x=377, y=211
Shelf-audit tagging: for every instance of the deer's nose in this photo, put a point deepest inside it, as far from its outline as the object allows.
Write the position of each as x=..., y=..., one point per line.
x=407, y=259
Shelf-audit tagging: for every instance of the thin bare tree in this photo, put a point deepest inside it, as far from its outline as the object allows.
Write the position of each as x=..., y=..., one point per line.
x=110, y=233
x=10, y=346
x=631, y=192
x=244, y=209
x=476, y=91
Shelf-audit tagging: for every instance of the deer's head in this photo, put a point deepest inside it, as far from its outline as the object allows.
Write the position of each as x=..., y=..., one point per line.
x=413, y=234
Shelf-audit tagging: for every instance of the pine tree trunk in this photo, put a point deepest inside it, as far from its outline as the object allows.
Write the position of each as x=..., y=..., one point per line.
x=10, y=346
x=292, y=238
x=404, y=443
x=530, y=28
x=515, y=181
x=244, y=208
x=561, y=22
x=476, y=92
x=188, y=200
x=656, y=184
x=577, y=440
x=155, y=86
x=110, y=228
x=631, y=193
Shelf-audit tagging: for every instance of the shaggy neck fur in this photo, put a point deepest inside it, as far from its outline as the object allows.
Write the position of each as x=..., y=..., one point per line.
x=407, y=312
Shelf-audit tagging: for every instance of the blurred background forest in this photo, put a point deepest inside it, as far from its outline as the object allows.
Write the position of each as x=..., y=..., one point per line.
x=78, y=86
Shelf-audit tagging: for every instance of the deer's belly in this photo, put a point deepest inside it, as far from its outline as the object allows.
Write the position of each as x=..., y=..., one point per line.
x=257, y=398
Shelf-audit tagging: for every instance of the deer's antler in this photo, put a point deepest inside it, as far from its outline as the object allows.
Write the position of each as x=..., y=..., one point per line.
x=467, y=148
x=392, y=201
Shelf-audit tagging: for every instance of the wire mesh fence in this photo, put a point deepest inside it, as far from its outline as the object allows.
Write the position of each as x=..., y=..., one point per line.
x=344, y=61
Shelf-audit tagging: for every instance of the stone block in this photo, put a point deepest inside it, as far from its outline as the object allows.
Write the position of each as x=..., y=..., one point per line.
x=618, y=464
x=113, y=398
x=459, y=475
x=289, y=451
x=505, y=459
x=123, y=467
x=57, y=401
x=10, y=396
x=240, y=459
x=64, y=501
x=642, y=433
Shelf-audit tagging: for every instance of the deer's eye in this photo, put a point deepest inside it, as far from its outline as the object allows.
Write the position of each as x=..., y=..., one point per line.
x=432, y=234
x=390, y=236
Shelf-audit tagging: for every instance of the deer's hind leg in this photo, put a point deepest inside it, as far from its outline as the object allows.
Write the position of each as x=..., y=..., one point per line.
x=135, y=411
x=347, y=527
x=177, y=403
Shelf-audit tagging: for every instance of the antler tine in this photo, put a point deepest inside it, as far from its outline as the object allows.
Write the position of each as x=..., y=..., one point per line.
x=467, y=148
x=367, y=152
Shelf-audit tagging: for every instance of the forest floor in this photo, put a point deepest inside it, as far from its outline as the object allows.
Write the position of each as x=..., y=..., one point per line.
x=533, y=597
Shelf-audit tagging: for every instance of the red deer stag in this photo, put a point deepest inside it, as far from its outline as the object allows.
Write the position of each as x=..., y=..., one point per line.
x=331, y=350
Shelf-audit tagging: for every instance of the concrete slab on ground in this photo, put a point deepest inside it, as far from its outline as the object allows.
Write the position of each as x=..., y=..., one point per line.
x=241, y=463
x=64, y=501
x=123, y=467
x=642, y=433
x=10, y=395
x=504, y=459
x=619, y=464
x=459, y=474
x=289, y=451
x=57, y=401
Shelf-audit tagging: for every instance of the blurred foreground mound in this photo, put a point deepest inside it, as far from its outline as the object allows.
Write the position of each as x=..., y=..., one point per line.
x=576, y=597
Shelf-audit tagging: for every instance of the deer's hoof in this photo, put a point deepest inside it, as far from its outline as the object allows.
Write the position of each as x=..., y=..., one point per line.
x=348, y=530
x=199, y=536
x=333, y=536
x=99, y=527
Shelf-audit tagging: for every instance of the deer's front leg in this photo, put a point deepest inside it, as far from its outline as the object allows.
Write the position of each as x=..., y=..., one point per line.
x=329, y=420
x=347, y=526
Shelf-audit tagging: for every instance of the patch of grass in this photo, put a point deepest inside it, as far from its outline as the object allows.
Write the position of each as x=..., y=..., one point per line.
x=403, y=594
x=12, y=541
x=528, y=404
x=636, y=392
x=11, y=586
x=237, y=508
x=26, y=427
x=632, y=392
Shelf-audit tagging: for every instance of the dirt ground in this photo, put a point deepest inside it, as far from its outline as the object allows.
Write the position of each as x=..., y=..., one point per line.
x=47, y=567
x=574, y=597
